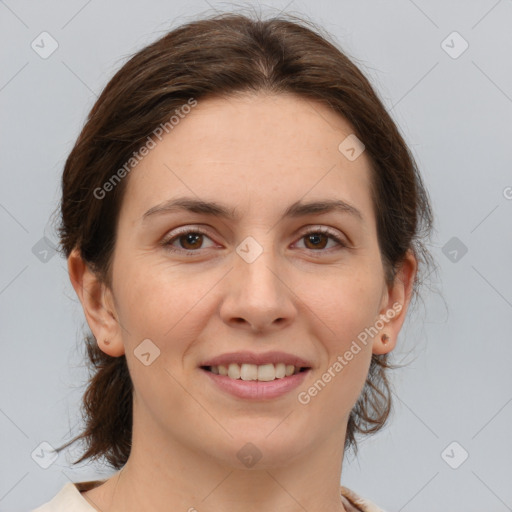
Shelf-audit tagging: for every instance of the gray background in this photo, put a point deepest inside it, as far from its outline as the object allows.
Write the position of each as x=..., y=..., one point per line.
x=455, y=114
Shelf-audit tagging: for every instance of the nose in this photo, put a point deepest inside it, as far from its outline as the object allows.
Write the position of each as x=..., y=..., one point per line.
x=257, y=297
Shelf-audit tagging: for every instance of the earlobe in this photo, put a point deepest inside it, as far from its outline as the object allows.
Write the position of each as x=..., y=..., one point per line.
x=383, y=344
x=114, y=350
x=396, y=302
x=98, y=305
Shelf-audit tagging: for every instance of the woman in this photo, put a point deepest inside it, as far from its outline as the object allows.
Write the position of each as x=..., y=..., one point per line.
x=241, y=220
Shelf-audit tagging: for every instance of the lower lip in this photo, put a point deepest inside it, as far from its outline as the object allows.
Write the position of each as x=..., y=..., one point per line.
x=257, y=390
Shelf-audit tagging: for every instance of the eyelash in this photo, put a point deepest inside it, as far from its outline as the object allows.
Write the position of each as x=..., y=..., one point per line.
x=197, y=231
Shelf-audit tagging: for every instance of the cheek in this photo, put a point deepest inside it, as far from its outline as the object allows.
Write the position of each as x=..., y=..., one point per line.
x=346, y=303
x=163, y=304
x=341, y=321
x=170, y=309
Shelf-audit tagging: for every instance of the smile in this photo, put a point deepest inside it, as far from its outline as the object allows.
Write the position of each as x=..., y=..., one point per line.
x=256, y=390
x=262, y=373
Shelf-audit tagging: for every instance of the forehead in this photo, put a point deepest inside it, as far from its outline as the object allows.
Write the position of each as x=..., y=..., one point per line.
x=258, y=148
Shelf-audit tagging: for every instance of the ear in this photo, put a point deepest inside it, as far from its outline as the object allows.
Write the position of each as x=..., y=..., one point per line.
x=98, y=305
x=395, y=302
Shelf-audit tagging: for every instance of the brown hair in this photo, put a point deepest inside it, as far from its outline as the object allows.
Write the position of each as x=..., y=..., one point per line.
x=224, y=55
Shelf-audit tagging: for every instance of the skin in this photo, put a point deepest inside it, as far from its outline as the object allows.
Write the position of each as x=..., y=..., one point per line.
x=258, y=154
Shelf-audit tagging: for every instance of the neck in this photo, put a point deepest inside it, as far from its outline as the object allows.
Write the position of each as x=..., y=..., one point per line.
x=162, y=475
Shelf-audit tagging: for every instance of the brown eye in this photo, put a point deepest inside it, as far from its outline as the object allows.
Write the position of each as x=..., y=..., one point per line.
x=187, y=241
x=317, y=240
x=191, y=240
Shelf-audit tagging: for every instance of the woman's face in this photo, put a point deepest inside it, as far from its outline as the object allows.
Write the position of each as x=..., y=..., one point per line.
x=251, y=280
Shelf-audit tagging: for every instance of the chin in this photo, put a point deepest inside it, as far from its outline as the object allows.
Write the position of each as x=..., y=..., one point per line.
x=261, y=447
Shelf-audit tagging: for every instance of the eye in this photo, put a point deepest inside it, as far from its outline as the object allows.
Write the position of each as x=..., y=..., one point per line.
x=188, y=240
x=317, y=239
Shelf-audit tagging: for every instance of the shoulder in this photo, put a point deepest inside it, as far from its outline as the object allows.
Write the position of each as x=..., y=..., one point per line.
x=355, y=503
x=69, y=499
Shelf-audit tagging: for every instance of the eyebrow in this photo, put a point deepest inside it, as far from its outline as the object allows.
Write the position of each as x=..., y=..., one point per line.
x=297, y=209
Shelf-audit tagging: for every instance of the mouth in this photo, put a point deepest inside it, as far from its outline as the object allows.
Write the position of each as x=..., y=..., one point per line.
x=256, y=382
x=251, y=372
x=256, y=376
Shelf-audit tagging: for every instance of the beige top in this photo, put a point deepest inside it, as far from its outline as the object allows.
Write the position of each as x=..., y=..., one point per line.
x=70, y=499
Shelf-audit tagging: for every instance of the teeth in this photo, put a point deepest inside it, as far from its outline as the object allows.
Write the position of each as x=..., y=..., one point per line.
x=249, y=372
x=264, y=372
x=280, y=370
x=234, y=371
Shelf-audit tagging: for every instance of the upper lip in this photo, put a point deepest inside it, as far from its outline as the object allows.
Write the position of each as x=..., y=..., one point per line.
x=257, y=359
